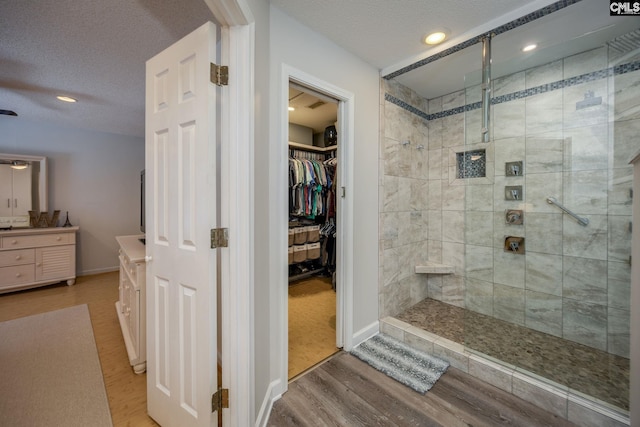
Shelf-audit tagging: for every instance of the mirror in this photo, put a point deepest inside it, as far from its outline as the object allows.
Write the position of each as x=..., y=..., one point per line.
x=23, y=187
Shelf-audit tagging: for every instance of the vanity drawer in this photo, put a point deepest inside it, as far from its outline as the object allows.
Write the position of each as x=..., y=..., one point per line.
x=17, y=275
x=54, y=239
x=17, y=257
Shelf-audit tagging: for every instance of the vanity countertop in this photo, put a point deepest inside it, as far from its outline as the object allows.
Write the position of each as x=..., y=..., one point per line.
x=133, y=247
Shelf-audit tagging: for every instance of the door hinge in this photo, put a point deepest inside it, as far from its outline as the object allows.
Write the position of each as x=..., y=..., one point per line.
x=219, y=74
x=220, y=400
x=219, y=238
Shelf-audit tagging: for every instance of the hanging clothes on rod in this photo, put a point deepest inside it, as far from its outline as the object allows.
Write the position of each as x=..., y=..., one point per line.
x=331, y=166
x=310, y=182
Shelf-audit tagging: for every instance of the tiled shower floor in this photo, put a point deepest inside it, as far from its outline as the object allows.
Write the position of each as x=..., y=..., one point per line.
x=584, y=369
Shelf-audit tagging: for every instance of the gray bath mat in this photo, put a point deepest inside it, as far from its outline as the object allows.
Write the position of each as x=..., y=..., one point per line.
x=406, y=365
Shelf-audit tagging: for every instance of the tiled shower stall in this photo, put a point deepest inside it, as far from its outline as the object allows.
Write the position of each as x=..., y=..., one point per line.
x=573, y=124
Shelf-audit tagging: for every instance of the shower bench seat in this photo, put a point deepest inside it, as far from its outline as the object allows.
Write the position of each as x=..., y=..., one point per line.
x=431, y=267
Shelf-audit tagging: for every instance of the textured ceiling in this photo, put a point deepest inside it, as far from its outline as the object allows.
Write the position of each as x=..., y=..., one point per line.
x=92, y=50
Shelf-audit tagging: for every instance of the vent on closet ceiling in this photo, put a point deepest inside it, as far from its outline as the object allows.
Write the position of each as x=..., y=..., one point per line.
x=316, y=105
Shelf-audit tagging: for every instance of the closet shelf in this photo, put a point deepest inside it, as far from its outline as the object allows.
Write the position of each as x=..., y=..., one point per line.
x=313, y=148
x=434, y=268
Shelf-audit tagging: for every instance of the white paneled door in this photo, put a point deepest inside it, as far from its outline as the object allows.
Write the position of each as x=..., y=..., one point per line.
x=181, y=194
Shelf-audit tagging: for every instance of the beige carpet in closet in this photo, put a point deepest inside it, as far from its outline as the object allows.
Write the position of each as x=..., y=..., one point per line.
x=312, y=323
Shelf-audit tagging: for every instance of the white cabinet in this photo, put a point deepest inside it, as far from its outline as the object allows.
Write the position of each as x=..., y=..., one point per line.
x=34, y=257
x=15, y=195
x=131, y=300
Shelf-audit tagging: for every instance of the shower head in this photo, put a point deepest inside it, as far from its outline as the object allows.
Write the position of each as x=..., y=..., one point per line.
x=589, y=100
x=625, y=43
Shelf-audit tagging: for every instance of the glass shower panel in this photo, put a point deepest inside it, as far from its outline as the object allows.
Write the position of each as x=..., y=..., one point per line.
x=547, y=228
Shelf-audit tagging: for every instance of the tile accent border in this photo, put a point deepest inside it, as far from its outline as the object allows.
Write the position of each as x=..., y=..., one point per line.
x=521, y=94
x=556, y=398
x=410, y=108
x=547, y=10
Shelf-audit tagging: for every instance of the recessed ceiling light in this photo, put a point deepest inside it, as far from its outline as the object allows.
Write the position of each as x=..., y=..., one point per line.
x=529, y=47
x=66, y=98
x=435, y=37
x=291, y=109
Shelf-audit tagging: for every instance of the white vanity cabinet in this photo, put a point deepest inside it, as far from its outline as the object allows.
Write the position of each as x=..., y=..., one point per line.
x=131, y=300
x=33, y=257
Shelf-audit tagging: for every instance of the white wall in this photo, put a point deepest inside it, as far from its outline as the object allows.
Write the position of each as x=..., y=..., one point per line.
x=92, y=175
x=295, y=45
x=261, y=351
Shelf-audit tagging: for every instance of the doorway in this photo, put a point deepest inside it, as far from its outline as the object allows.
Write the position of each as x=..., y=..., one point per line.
x=344, y=208
x=312, y=227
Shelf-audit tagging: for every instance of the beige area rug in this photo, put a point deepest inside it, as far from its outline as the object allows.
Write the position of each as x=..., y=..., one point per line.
x=312, y=323
x=50, y=371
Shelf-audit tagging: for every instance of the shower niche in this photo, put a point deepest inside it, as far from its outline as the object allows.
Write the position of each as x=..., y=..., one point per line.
x=471, y=164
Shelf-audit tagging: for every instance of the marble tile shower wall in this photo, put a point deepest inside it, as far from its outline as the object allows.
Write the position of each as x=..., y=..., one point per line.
x=404, y=191
x=573, y=281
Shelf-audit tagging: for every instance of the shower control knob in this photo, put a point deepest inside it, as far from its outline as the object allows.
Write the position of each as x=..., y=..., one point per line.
x=514, y=216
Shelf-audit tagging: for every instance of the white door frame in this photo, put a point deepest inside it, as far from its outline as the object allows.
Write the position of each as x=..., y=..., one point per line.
x=237, y=177
x=344, y=254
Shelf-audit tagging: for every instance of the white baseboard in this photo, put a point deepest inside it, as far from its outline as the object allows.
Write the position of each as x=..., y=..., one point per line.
x=267, y=404
x=365, y=333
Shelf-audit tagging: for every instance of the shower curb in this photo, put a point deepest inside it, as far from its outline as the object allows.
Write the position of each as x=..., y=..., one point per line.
x=556, y=398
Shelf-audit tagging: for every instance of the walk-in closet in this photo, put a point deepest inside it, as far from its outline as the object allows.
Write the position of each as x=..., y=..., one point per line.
x=312, y=151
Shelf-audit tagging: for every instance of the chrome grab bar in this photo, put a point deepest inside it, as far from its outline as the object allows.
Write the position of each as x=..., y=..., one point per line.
x=581, y=221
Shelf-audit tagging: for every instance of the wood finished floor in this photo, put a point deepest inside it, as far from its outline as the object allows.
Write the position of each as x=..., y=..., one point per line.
x=126, y=390
x=345, y=391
